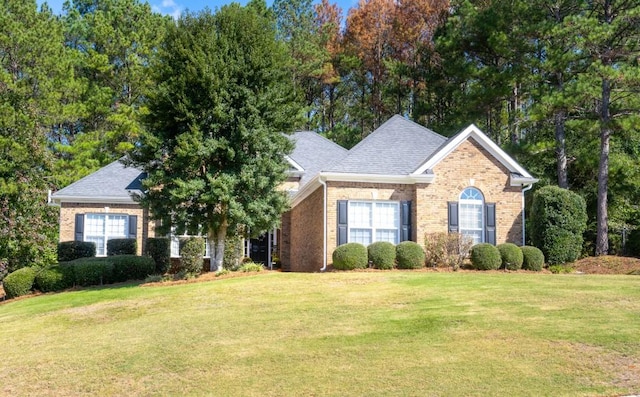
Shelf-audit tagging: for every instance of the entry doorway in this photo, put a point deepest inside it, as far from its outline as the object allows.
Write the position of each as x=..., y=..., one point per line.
x=262, y=248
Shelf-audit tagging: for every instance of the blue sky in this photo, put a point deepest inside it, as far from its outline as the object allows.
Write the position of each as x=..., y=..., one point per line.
x=175, y=7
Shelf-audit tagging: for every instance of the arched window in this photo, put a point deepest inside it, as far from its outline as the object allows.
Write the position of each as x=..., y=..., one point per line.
x=471, y=214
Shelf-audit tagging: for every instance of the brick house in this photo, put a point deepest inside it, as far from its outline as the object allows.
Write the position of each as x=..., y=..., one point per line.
x=399, y=183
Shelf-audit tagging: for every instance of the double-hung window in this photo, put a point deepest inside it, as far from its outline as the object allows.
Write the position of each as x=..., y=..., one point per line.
x=100, y=228
x=371, y=221
x=175, y=245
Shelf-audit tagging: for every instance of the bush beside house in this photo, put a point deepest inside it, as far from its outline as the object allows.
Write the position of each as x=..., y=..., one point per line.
x=19, y=282
x=558, y=221
x=532, y=258
x=410, y=255
x=485, y=256
x=122, y=246
x=511, y=256
x=350, y=256
x=382, y=255
x=71, y=250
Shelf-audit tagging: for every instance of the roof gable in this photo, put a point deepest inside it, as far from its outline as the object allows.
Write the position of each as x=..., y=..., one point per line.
x=397, y=147
x=474, y=132
x=112, y=183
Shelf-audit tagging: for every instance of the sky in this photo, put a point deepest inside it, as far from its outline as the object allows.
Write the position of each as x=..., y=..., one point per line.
x=176, y=7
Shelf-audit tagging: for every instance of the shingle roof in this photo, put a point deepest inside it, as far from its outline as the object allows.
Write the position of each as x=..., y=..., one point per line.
x=113, y=181
x=397, y=147
x=314, y=153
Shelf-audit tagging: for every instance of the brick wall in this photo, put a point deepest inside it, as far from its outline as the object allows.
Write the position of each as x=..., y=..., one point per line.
x=303, y=235
x=68, y=212
x=470, y=165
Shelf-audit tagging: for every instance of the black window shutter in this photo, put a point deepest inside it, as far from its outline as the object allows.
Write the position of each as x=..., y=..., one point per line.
x=342, y=221
x=453, y=217
x=490, y=223
x=405, y=219
x=133, y=226
x=79, y=227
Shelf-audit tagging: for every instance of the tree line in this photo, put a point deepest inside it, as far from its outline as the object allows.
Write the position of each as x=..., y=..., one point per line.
x=555, y=83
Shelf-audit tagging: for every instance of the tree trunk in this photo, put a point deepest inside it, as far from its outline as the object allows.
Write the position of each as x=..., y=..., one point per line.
x=218, y=238
x=602, y=230
x=561, y=154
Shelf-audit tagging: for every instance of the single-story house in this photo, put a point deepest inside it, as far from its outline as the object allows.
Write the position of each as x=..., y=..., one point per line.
x=399, y=183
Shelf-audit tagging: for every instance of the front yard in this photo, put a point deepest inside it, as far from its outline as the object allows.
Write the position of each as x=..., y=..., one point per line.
x=336, y=334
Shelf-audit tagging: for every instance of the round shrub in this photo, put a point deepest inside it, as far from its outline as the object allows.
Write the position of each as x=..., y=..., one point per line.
x=485, y=256
x=19, y=282
x=511, y=256
x=382, y=254
x=52, y=279
x=410, y=255
x=350, y=256
x=558, y=221
x=533, y=258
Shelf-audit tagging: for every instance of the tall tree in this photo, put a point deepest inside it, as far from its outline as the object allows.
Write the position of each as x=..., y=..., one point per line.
x=31, y=65
x=215, y=150
x=609, y=31
x=111, y=43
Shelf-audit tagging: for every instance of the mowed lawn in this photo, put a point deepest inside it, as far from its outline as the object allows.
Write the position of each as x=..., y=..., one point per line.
x=336, y=334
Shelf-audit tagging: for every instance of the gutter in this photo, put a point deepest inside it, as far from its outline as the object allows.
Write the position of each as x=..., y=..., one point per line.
x=525, y=189
x=323, y=182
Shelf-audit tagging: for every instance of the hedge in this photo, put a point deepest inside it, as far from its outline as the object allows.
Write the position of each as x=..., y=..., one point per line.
x=350, y=256
x=93, y=271
x=131, y=267
x=19, y=282
x=52, y=279
x=485, y=256
x=558, y=221
x=72, y=250
x=533, y=258
x=410, y=255
x=382, y=254
x=511, y=256
x=122, y=246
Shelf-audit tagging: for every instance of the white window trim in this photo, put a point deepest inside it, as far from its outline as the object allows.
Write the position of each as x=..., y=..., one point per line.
x=105, y=235
x=176, y=239
x=373, y=215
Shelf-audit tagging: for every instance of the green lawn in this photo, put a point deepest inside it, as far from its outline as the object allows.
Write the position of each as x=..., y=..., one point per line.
x=336, y=334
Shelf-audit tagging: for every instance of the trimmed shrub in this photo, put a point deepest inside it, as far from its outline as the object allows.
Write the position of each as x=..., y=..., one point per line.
x=131, y=267
x=52, y=279
x=233, y=252
x=350, y=256
x=485, y=256
x=382, y=254
x=159, y=249
x=72, y=250
x=410, y=255
x=122, y=246
x=511, y=256
x=19, y=282
x=532, y=258
x=558, y=221
x=192, y=252
x=93, y=271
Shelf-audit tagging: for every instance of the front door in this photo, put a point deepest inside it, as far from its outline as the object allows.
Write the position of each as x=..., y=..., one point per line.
x=260, y=249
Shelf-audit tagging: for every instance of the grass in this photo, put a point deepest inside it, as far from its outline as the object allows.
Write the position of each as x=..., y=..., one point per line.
x=335, y=334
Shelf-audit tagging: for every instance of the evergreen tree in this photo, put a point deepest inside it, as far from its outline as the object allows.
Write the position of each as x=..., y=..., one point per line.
x=31, y=65
x=215, y=150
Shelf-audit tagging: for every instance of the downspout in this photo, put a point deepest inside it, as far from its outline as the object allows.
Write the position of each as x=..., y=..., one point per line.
x=324, y=234
x=523, y=218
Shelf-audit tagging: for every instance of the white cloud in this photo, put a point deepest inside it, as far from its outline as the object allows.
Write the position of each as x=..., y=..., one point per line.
x=168, y=7
x=169, y=3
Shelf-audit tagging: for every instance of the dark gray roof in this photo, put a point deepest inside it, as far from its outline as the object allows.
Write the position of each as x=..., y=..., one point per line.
x=113, y=181
x=314, y=153
x=397, y=147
